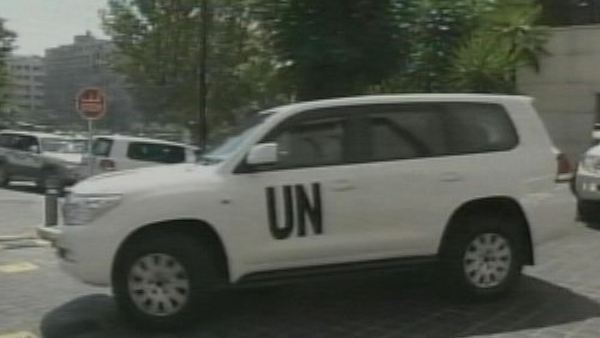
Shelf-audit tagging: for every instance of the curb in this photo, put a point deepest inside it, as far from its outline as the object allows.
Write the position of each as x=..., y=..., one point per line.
x=11, y=238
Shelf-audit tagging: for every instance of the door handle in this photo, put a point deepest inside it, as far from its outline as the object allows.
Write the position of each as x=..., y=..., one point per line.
x=451, y=177
x=342, y=185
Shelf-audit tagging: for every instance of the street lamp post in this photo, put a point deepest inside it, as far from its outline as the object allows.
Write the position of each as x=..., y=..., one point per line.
x=203, y=78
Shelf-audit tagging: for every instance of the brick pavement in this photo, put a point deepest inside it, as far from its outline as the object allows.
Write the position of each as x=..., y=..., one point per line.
x=558, y=298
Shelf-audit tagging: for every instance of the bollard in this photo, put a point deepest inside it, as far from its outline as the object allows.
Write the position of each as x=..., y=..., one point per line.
x=51, y=203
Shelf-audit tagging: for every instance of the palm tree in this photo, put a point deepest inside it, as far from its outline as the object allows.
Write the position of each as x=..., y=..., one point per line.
x=506, y=40
x=517, y=26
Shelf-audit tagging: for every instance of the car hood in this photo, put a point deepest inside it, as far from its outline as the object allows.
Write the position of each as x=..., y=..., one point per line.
x=147, y=179
x=62, y=157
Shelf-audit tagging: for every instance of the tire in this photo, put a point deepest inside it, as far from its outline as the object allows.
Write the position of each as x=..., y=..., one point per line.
x=4, y=176
x=175, y=287
x=483, y=257
x=588, y=211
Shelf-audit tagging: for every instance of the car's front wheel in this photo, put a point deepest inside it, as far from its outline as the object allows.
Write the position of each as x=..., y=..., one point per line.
x=483, y=258
x=164, y=282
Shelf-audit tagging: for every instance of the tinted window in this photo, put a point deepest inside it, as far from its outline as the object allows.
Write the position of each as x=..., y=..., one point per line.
x=474, y=128
x=311, y=143
x=24, y=142
x=426, y=130
x=407, y=133
x=101, y=147
x=6, y=140
x=152, y=152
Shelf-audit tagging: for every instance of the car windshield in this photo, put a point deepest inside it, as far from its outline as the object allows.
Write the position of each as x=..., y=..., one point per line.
x=227, y=143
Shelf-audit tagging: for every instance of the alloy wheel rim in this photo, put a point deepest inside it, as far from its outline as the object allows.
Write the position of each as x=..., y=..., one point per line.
x=487, y=260
x=159, y=284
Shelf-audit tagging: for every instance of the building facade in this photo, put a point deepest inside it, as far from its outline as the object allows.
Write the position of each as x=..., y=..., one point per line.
x=85, y=63
x=24, y=97
x=567, y=89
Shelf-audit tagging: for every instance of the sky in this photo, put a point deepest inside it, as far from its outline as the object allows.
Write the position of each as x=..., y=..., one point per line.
x=42, y=24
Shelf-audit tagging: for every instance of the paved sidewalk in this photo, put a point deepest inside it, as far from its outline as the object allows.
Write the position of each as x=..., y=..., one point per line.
x=20, y=212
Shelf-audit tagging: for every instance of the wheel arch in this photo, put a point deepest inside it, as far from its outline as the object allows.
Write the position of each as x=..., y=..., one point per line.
x=500, y=205
x=198, y=229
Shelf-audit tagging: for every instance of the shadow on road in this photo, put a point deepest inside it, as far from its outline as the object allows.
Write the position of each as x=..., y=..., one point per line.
x=374, y=307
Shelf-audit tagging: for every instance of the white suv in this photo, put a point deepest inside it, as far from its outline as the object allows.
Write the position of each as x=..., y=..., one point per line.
x=469, y=182
x=120, y=152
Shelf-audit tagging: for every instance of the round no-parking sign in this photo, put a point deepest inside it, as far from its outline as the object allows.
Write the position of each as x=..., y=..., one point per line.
x=91, y=103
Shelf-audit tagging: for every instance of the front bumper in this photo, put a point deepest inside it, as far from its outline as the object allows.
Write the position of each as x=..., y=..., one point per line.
x=50, y=234
x=81, y=251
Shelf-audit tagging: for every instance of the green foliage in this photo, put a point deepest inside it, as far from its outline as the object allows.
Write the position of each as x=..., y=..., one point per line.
x=264, y=52
x=482, y=65
x=489, y=59
x=436, y=28
x=334, y=47
x=159, y=52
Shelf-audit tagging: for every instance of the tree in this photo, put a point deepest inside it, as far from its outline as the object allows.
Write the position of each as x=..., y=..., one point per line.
x=334, y=47
x=436, y=28
x=7, y=39
x=489, y=59
x=159, y=52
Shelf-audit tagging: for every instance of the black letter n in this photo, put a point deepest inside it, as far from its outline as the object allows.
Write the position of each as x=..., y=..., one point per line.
x=304, y=208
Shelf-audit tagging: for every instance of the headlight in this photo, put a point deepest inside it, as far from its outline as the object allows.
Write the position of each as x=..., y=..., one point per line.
x=83, y=209
x=591, y=164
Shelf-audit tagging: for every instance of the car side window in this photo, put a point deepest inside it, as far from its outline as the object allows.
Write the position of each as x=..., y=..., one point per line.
x=310, y=143
x=25, y=142
x=405, y=133
x=5, y=141
x=102, y=147
x=159, y=153
x=417, y=130
x=479, y=127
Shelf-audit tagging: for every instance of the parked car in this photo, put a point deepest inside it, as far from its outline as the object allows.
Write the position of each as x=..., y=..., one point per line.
x=587, y=186
x=119, y=152
x=469, y=184
x=39, y=157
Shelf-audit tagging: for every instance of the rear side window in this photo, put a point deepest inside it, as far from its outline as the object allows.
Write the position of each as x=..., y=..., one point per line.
x=159, y=153
x=102, y=147
x=478, y=128
x=439, y=129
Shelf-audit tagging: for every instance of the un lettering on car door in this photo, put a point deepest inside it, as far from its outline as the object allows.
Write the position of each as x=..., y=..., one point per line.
x=294, y=210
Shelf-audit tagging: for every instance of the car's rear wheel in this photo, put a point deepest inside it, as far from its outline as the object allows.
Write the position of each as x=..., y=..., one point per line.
x=4, y=177
x=484, y=257
x=164, y=282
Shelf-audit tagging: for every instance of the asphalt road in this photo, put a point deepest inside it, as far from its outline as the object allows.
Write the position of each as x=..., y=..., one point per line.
x=558, y=298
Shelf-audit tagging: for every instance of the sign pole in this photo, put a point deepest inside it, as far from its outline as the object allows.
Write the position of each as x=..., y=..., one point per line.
x=91, y=159
x=91, y=104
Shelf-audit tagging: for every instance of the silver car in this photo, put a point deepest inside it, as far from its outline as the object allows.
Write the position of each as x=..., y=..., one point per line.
x=45, y=159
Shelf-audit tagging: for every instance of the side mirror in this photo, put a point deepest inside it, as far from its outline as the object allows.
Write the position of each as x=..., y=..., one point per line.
x=263, y=153
x=34, y=149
